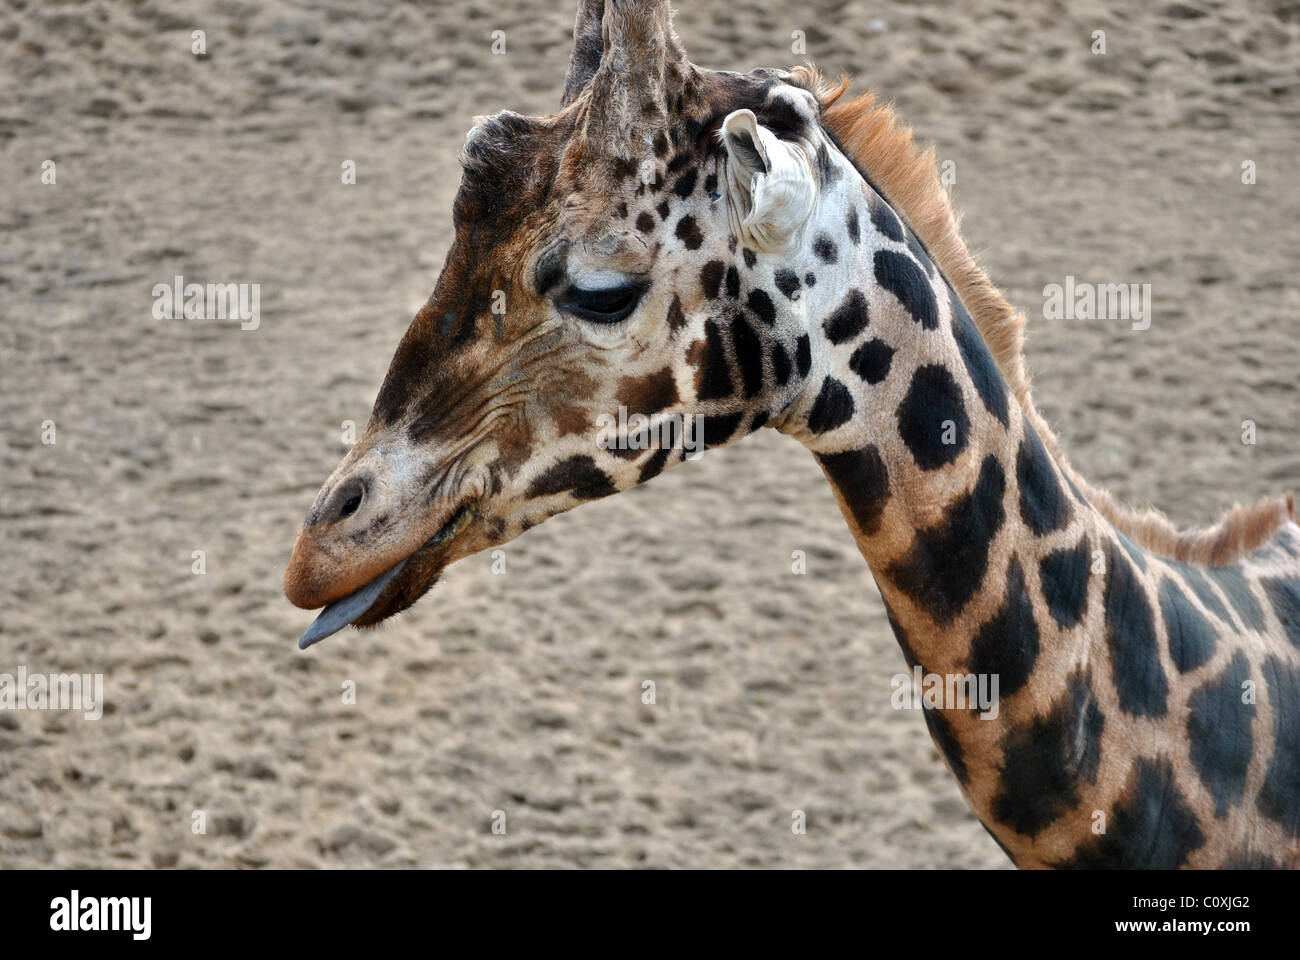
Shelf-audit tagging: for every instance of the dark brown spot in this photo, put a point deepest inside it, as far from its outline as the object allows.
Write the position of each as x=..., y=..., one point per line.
x=689, y=233
x=578, y=476
x=711, y=279
x=648, y=394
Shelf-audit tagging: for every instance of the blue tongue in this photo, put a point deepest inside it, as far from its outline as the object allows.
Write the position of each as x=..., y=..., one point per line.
x=343, y=611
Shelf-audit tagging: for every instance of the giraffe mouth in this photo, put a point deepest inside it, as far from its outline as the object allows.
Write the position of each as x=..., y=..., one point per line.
x=377, y=600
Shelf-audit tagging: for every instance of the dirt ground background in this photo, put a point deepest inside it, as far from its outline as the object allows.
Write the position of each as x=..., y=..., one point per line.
x=521, y=692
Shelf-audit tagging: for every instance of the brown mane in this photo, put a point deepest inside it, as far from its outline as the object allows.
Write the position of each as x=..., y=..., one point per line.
x=884, y=149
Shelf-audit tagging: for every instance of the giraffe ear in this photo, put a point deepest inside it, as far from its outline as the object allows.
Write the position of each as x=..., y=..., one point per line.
x=770, y=183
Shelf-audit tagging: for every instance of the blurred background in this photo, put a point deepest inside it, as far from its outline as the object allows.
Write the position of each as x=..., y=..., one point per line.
x=522, y=692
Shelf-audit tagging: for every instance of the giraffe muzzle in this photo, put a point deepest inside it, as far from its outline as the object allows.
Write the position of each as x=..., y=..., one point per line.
x=346, y=610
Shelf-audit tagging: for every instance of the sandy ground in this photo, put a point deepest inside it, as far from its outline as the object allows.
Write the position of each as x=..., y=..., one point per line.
x=521, y=692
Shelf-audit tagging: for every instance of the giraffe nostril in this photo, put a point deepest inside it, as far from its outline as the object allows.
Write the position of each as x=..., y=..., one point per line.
x=345, y=500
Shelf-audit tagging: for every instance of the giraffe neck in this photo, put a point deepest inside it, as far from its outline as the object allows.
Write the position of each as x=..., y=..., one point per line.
x=960, y=544
x=993, y=565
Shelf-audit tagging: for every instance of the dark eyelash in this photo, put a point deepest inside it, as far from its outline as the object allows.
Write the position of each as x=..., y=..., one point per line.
x=601, y=306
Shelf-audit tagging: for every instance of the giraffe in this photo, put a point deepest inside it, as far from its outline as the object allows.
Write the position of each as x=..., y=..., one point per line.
x=755, y=251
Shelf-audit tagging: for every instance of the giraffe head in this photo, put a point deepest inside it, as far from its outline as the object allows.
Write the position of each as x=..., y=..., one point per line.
x=602, y=273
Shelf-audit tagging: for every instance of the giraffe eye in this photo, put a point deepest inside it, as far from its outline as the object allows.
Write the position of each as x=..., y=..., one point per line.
x=611, y=305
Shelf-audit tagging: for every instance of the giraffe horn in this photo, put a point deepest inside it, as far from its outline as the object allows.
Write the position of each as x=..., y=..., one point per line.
x=588, y=44
x=643, y=64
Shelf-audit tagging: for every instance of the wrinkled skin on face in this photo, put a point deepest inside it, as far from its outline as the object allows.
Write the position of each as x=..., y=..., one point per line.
x=496, y=411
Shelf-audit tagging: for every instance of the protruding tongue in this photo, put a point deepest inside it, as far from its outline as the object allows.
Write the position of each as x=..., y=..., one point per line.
x=343, y=611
